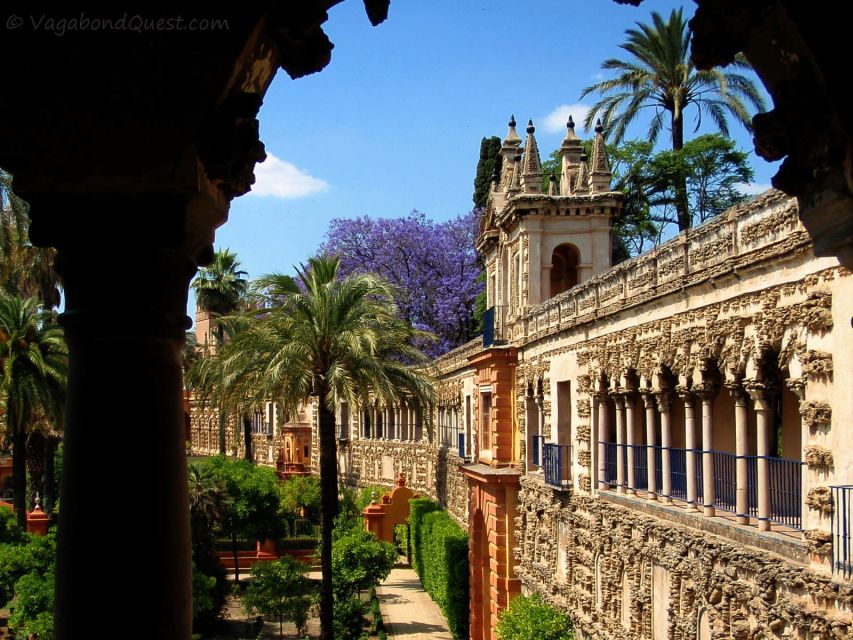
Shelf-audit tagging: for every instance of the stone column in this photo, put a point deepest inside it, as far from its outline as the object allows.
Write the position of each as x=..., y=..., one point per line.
x=708, y=492
x=741, y=451
x=763, y=423
x=620, y=441
x=125, y=322
x=374, y=414
x=798, y=386
x=690, y=446
x=630, y=441
x=649, y=402
x=600, y=412
x=663, y=399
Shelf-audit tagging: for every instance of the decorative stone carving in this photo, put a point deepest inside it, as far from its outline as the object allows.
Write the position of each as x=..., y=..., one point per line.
x=816, y=311
x=816, y=414
x=817, y=364
x=818, y=457
x=746, y=592
x=819, y=542
x=820, y=499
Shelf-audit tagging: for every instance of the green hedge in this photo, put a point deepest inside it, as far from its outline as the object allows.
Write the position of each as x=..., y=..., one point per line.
x=440, y=557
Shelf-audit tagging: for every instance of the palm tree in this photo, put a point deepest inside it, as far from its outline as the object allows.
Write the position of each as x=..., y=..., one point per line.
x=662, y=77
x=219, y=288
x=34, y=368
x=208, y=502
x=330, y=337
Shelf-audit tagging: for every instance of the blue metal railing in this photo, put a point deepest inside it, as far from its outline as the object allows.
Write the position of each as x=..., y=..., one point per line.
x=842, y=530
x=784, y=479
x=641, y=467
x=678, y=473
x=536, y=443
x=786, y=482
x=609, y=464
x=555, y=460
x=725, y=481
x=461, y=439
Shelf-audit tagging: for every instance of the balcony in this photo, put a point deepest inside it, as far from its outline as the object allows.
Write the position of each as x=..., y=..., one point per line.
x=685, y=482
x=556, y=461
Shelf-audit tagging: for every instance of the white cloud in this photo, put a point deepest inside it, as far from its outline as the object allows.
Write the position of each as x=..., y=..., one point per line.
x=556, y=120
x=280, y=179
x=753, y=188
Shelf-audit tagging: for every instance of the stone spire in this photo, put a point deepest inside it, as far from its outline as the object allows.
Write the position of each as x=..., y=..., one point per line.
x=581, y=186
x=552, y=185
x=514, y=183
x=600, y=174
x=509, y=150
x=531, y=174
x=570, y=151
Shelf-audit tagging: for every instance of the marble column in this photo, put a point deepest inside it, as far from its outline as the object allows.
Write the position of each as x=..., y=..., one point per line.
x=741, y=451
x=708, y=489
x=690, y=446
x=763, y=423
x=649, y=403
x=620, y=443
x=599, y=443
x=664, y=400
x=630, y=441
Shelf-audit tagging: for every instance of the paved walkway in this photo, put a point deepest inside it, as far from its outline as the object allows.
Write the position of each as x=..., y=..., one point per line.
x=409, y=613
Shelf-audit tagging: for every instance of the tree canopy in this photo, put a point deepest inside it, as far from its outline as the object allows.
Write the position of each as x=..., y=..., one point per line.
x=433, y=266
x=659, y=75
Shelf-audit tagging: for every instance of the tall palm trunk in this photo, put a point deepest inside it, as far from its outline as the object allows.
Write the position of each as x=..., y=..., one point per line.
x=19, y=476
x=682, y=209
x=247, y=438
x=329, y=503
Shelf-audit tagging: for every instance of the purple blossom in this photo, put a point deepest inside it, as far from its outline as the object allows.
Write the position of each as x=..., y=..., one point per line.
x=434, y=265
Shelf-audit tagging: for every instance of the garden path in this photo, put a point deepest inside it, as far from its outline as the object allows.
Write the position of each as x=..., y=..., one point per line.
x=409, y=612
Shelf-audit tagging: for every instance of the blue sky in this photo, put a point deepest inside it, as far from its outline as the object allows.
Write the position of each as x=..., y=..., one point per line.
x=394, y=122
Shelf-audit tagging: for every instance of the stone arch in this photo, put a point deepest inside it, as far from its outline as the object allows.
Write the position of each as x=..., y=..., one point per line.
x=703, y=624
x=597, y=580
x=625, y=599
x=565, y=260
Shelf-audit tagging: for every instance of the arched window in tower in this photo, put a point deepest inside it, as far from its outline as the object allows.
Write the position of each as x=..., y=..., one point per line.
x=564, y=268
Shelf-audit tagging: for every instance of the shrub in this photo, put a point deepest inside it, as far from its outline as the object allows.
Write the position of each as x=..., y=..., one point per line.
x=278, y=589
x=32, y=608
x=529, y=618
x=440, y=556
x=348, y=618
x=359, y=562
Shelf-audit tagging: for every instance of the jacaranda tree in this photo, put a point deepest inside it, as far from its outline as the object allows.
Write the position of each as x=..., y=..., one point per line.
x=432, y=265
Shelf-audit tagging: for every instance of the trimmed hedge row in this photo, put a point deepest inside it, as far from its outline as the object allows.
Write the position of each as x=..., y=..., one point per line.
x=440, y=558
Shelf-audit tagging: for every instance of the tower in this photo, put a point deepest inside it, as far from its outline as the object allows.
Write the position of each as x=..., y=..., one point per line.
x=537, y=245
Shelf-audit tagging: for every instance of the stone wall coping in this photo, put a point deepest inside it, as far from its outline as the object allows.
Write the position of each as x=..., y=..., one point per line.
x=792, y=550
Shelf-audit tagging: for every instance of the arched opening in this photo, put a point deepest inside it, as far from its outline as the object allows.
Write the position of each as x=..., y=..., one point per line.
x=564, y=268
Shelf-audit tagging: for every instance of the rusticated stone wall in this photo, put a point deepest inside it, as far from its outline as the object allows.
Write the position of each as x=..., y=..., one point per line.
x=621, y=573
x=429, y=470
